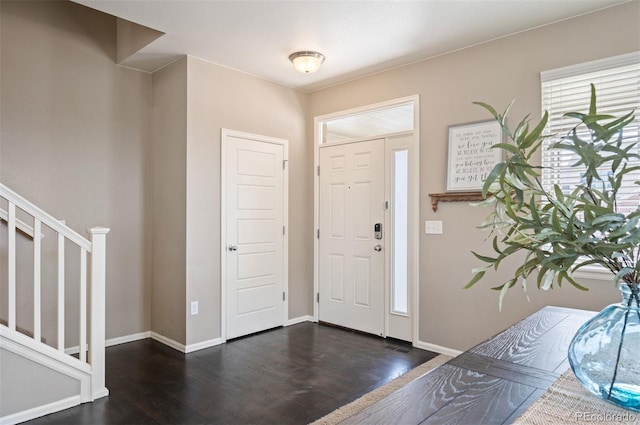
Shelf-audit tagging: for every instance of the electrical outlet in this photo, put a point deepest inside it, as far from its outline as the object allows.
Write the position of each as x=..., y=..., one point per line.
x=194, y=308
x=433, y=227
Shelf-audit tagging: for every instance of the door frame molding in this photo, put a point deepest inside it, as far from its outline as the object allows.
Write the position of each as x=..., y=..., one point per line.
x=414, y=193
x=224, y=134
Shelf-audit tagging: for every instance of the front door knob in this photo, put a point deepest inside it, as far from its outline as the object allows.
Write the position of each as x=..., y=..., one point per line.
x=377, y=248
x=233, y=247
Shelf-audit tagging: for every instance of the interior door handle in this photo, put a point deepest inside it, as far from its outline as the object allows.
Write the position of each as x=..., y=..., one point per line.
x=377, y=248
x=233, y=247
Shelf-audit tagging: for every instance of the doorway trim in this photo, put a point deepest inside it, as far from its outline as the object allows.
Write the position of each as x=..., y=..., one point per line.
x=414, y=193
x=224, y=134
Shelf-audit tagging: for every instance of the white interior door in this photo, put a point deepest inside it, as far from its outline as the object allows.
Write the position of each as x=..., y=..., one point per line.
x=351, y=259
x=254, y=235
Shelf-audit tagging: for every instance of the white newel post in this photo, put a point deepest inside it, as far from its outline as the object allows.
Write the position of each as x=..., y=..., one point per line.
x=98, y=311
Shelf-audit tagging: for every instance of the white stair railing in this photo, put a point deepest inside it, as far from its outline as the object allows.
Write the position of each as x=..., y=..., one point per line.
x=92, y=287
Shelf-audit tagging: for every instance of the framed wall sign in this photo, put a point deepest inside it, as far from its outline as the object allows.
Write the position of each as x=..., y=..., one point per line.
x=471, y=158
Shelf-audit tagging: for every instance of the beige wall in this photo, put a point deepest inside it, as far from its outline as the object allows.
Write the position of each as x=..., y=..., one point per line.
x=495, y=73
x=222, y=98
x=169, y=153
x=193, y=101
x=74, y=139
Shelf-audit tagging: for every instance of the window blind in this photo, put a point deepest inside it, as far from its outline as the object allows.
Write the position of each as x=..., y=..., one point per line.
x=617, y=82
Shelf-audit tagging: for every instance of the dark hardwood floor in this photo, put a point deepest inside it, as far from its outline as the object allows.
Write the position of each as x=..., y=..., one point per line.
x=290, y=375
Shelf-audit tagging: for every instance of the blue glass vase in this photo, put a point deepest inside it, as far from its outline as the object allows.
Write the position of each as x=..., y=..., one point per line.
x=605, y=352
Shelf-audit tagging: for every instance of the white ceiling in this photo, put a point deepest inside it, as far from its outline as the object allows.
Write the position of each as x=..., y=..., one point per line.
x=358, y=37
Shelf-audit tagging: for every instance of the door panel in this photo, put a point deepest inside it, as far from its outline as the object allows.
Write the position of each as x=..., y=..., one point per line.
x=362, y=279
x=255, y=241
x=351, y=272
x=256, y=231
x=337, y=278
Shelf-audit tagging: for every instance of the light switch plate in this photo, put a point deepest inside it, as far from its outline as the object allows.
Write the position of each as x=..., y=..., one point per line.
x=433, y=227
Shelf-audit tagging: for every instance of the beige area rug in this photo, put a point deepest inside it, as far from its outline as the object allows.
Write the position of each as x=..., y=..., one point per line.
x=369, y=398
x=568, y=402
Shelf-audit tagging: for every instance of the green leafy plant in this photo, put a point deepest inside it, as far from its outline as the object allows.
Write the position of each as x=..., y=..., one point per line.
x=558, y=233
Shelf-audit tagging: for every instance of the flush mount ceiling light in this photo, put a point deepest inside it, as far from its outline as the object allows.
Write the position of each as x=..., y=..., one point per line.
x=306, y=62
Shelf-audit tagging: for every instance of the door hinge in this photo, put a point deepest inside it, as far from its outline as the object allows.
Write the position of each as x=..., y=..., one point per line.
x=283, y=296
x=284, y=231
x=318, y=171
x=318, y=234
x=317, y=296
x=284, y=163
x=386, y=205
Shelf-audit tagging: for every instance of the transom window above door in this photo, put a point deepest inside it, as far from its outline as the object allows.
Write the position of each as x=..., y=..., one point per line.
x=395, y=119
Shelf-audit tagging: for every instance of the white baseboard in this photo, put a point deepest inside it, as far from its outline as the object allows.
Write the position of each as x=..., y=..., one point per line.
x=39, y=411
x=438, y=349
x=168, y=342
x=185, y=348
x=217, y=341
x=300, y=319
x=127, y=338
x=202, y=345
x=156, y=336
x=112, y=341
x=212, y=342
x=174, y=344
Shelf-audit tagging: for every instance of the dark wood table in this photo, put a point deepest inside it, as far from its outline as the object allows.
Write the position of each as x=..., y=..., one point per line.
x=492, y=383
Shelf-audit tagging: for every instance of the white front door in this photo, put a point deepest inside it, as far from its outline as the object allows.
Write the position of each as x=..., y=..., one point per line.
x=254, y=235
x=352, y=259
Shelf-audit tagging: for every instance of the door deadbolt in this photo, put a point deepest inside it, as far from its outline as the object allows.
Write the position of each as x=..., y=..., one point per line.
x=377, y=230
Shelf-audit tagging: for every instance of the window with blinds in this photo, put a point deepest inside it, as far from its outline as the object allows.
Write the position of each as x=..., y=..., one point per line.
x=617, y=82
